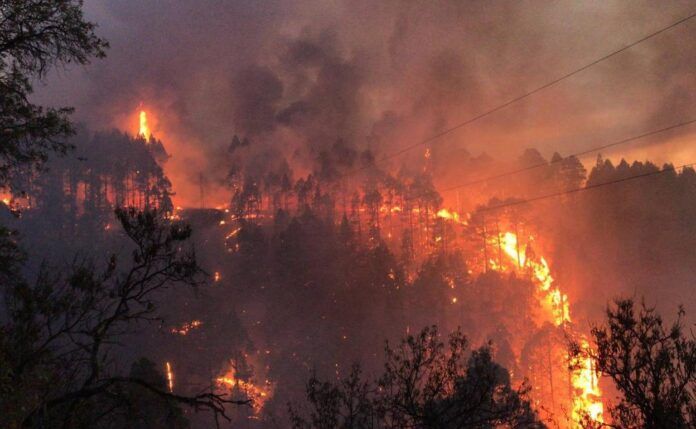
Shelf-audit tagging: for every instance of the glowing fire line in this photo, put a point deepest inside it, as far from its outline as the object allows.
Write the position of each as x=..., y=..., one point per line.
x=170, y=377
x=583, y=377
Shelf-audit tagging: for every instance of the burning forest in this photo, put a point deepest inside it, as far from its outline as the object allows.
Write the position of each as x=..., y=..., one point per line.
x=347, y=215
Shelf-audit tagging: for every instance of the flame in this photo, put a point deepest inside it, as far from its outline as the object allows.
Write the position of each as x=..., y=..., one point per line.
x=170, y=377
x=554, y=300
x=586, y=396
x=258, y=395
x=233, y=233
x=186, y=327
x=144, y=130
x=450, y=215
x=175, y=214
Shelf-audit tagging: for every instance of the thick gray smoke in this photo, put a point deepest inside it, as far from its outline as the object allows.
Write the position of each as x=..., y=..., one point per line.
x=297, y=76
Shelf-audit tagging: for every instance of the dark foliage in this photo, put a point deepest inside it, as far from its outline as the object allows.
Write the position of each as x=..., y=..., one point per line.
x=35, y=36
x=63, y=329
x=425, y=384
x=652, y=366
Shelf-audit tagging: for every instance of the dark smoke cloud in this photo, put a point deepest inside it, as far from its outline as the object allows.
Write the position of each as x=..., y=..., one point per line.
x=257, y=93
x=298, y=76
x=326, y=94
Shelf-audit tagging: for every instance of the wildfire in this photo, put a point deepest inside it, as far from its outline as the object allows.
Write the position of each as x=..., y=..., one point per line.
x=586, y=401
x=258, y=395
x=554, y=301
x=13, y=204
x=186, y=327
x=170, y=377
x=144, y=130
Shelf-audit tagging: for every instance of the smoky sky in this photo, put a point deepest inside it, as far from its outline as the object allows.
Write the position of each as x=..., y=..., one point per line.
x=298, y=76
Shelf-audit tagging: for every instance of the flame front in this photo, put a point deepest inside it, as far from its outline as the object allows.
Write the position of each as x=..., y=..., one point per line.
x=587, y=401
x=555, y=302
x=586, y=395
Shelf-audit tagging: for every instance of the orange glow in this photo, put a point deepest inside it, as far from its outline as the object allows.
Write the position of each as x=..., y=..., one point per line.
x=586, y=395
x=257, y=394
x=555, y=302
x=186, y=327
x=144, y=129
x=450, y=215
x=233, y=233
x=187, y=159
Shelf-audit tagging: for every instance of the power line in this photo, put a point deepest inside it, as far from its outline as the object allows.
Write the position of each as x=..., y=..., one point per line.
x=584, y=152
x=584, y=188
x=536, y=90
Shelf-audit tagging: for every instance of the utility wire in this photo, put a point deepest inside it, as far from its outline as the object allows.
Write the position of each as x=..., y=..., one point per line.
x=526, y=95
x=584, y=152
x=584, y=188
x=536, y=90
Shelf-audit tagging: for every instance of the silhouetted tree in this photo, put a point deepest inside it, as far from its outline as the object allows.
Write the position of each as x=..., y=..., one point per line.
x=348, y=404
x=61, y=330
x=652, y=366
x=35, y=36
x=135, y=406
x=425, y=384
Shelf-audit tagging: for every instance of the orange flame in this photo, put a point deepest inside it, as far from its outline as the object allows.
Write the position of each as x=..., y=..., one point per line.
x=144, y=130
x=186, y=327
x=554, y=301
x=450, y=215
x=258, y=395
x=587, y=398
